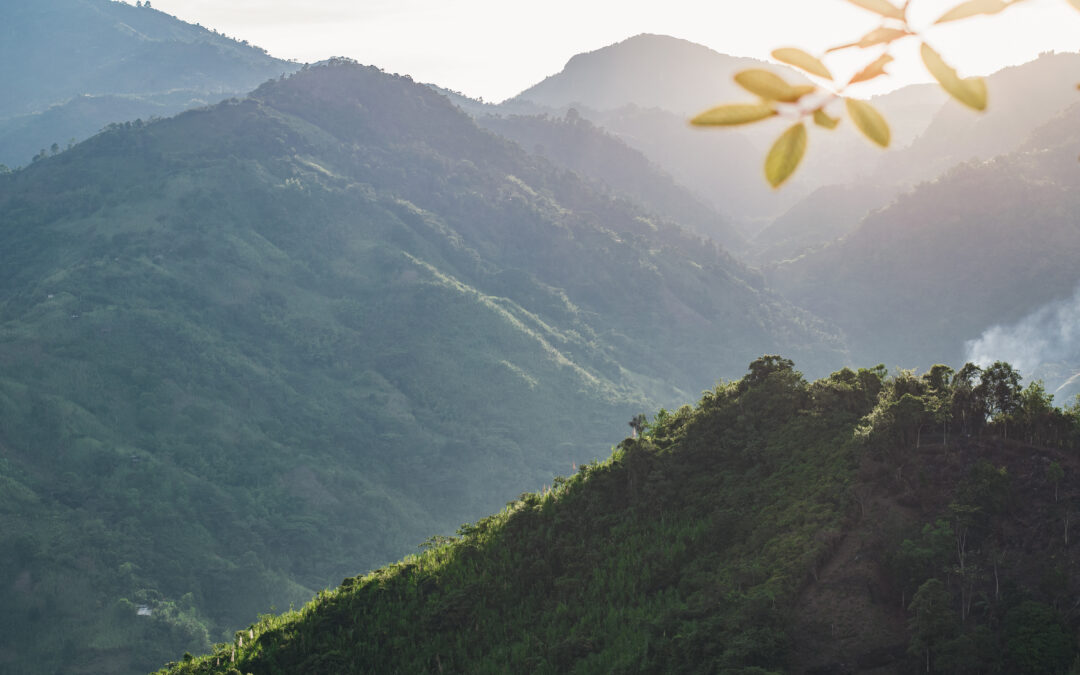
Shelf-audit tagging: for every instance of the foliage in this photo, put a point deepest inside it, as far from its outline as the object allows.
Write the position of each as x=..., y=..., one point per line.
x=777, y=97
x=689, y=549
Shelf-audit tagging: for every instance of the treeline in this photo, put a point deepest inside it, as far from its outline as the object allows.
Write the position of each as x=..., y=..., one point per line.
x=971, y=402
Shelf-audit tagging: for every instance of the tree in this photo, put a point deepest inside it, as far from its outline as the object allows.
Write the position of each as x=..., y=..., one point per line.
x=1054, y=474
x=933, y=621
x=1036, y=640
x=967, y=400
x=1002, y=389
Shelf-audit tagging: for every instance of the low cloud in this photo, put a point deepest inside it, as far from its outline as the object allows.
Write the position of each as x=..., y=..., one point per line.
x=1049, y=334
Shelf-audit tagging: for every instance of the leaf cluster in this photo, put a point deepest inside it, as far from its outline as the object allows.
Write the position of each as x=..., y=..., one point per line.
x=777, y=97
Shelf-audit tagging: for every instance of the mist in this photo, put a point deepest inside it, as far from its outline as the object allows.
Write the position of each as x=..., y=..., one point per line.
x=1051, y=334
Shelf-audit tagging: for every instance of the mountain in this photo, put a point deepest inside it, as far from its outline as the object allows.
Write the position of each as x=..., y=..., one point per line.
x=1022, y=99
x=985, y=244
x=253, y=348
x=778, y=526
x=644, y=89
x=575, y=143
x=650, y=71
x=70, y=67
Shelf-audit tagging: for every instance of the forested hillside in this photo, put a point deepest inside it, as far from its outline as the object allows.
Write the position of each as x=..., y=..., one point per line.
x=860, y=523
x=252, y=349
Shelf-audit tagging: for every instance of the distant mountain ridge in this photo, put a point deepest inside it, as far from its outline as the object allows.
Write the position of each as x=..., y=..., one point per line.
x=58, y=51
x=651, y=71
x=986, y=243
x=1022, y=99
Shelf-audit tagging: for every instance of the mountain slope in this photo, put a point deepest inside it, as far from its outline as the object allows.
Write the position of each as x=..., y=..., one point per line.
x=779, y=526
x=576, y=144
x=254, y=348
x=55, y=51
x=664, y=558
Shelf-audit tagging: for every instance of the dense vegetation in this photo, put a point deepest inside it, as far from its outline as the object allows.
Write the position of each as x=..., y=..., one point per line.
x=254, y=348
x=682, y=552
x=710, y=545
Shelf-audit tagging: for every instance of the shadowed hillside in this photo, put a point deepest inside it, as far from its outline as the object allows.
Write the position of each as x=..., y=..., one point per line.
x=862, y=523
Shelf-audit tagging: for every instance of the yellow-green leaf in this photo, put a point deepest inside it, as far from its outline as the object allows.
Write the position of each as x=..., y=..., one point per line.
x=822, y=119
x=972, y=8
x=882, y=35
x=882, y=7
x=873, y=70
x=734, y=113
x=770, y=86
x=970, y=91
x=785, y=155
x=869, y=121
x=875, y=37
x=794, y=56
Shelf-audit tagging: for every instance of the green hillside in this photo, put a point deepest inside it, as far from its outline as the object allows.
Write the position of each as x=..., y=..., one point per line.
x=255, y=348
x=859, y=523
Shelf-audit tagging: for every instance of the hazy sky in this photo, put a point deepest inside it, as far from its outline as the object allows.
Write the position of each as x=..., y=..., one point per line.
x=496, y=48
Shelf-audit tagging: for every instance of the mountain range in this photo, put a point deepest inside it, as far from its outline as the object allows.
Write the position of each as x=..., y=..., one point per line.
x=298, y=333
x=70, y=67
x=260, y=346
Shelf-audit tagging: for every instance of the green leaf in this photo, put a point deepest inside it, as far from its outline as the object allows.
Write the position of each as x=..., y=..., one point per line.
x=785, y=155
x=970, y=91
x=869, y=121
x=972, y=8
x=873, y=70
x=770, y=86
x=800, y=59
x=882, y=7
x=822, y=119
x=734, y=113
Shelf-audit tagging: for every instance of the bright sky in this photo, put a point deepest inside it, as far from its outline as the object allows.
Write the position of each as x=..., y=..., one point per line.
x=496, y=48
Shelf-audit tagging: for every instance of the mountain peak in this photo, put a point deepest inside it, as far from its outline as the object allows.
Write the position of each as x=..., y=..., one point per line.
x=646, y=70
